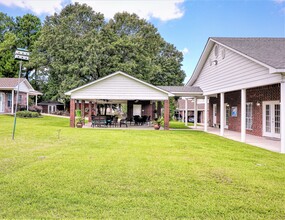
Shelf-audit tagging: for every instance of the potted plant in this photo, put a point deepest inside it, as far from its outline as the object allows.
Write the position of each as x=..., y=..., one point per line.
x=79, y=120
x=158, y=122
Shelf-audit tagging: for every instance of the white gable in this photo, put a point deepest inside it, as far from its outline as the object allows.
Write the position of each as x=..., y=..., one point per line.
x=119, y=87
x=232, y=72
x=23, y=87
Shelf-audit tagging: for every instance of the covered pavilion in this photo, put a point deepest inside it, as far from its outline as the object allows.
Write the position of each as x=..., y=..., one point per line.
x=121, y=88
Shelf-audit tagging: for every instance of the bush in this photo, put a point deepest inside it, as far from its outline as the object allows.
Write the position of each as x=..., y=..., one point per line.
x=27, y=114
x=35, y=108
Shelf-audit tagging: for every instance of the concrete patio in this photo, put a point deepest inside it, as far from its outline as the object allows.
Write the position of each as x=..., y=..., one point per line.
x=271, y=144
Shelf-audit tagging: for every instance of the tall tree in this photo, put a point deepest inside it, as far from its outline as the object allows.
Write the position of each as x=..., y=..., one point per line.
x=68, y=44
x=7, y=24
x=27, y=29
x=8, y=67
x=78, y=46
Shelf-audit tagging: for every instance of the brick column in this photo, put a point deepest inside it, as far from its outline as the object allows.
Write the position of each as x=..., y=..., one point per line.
x=159, y=109
x=95, y=108
x=90, y=111
x=83, y=110
x=72, y=113
x=166, y=115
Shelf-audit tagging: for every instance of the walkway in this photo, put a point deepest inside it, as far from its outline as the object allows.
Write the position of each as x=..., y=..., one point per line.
x=272, y=144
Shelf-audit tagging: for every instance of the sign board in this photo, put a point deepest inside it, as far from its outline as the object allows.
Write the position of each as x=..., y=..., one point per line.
x=22, y=54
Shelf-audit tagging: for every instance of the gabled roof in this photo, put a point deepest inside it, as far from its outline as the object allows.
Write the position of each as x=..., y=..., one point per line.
x=268, y=52
x=118, y=73
x=12, y=83
x=187, y=89
x=183, y=90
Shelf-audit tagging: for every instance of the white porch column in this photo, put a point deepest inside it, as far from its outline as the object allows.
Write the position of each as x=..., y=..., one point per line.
x=222, y=113
x=186, y=112
x=12, y=109
x=206, y=114
x=243, y=115
x=282, y=122
x=182, y=119
x=195, y=112
x=36, y=99
x=27, y=101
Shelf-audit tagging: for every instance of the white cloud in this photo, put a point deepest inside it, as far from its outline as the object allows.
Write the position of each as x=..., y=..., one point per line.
x=36, y=6
x=185, y=51
x=279, y=1
x=163, y=10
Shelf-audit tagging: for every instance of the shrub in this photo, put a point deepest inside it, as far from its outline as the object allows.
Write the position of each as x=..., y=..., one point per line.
x=35, y=108
x=27, y=114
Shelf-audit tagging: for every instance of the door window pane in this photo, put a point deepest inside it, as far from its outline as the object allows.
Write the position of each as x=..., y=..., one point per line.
x=268, y=118
x=277, y=118
x=248, y=116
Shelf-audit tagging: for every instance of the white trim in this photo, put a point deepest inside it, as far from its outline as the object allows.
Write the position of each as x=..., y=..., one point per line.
x=195, y=113
x=264, y=82
x=114, y=74
x=272, y=133
x=186, y=112
x=214, y=115
x=206, y=114
x=2, y=106
x=243, y=115
x=222, y=114
x=282, y=115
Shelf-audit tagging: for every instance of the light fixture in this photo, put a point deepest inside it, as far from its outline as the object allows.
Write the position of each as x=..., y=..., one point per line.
x=258, y=103
x=215, y=62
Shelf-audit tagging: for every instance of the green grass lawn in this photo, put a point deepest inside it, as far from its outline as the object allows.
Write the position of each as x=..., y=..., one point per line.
x=53, y=171
x=179, y=125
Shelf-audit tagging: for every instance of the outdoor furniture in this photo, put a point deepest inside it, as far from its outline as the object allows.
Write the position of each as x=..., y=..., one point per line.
x=114, y=122
x=138, y=120
x=123, y=122
x=98, y=121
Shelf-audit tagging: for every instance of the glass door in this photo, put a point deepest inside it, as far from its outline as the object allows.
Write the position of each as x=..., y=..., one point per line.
x=271, y=119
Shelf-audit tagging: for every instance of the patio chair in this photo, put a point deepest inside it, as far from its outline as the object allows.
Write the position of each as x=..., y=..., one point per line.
x=123, y=122
x=114, y=122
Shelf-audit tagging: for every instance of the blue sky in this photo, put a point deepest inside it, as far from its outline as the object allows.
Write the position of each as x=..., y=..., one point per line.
x=185, y=23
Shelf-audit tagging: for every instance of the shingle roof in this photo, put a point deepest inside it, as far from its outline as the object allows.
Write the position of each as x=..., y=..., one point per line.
x=9, y=82
x=189, y=89
x=270, y=51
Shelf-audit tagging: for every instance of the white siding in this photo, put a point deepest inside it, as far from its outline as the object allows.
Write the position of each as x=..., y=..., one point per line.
x=234, y=72
x=23, y=87
x=119, y=87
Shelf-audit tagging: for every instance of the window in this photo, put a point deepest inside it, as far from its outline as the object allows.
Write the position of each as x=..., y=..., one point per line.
x=20, y=99
x=9, y=100
x=248, y=116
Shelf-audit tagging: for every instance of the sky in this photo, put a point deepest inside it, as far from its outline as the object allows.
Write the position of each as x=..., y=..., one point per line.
x=185, y=23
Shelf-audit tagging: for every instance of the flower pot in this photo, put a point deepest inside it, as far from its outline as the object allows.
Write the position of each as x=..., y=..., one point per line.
x=79, y=125
x=156, y=127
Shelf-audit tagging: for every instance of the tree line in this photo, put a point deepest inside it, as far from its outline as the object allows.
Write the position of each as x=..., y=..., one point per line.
x=77, y=45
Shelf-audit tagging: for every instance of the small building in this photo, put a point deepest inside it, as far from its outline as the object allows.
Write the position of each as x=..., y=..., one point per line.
x=8, y=94
x=50, y=107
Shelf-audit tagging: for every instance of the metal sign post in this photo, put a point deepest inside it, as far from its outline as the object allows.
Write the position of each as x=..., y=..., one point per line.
x=22, y=55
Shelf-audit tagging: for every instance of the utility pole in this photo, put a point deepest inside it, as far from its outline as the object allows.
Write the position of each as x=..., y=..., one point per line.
x=22, y=55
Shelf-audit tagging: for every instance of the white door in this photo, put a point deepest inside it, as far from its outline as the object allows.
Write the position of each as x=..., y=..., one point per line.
x=214, y=115
x=137, y=110
x=271, y=119
x=227, y=115
x=2, y=102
